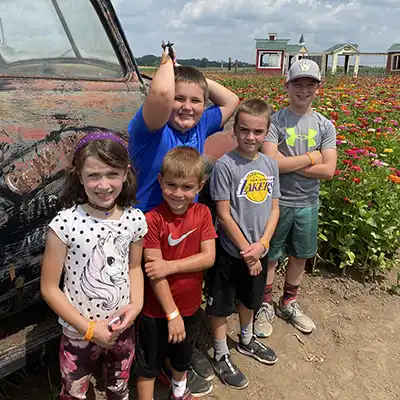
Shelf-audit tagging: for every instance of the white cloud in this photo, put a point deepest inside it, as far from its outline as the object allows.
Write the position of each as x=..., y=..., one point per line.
x=218, y=29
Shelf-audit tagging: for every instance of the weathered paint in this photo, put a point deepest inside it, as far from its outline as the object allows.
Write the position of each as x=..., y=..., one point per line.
x=41, y=119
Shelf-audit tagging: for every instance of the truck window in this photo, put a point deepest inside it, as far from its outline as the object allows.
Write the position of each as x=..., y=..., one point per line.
x=55, y=38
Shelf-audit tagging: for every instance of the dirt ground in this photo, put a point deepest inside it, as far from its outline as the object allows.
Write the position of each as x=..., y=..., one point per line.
x=353, y=354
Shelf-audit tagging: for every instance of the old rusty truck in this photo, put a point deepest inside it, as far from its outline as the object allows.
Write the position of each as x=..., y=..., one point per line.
x=66, y=69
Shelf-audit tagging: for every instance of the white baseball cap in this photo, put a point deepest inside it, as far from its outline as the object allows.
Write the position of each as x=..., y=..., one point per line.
x=304, y=68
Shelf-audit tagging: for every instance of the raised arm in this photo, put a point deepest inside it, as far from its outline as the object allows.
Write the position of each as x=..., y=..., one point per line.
x=157, y=107
x=224, y=98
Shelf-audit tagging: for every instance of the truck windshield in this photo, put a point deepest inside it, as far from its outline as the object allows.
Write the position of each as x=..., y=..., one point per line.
x=55, y=38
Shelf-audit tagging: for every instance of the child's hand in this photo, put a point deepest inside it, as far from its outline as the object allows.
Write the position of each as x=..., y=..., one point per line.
x=102, y=336
x=127, y=316
x=168, y=54
x=255, y=269
x=157, y=268
x=253, y=253
x=176, y=330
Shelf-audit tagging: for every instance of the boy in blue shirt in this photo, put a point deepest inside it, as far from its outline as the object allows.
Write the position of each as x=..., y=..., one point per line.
x=172, y=115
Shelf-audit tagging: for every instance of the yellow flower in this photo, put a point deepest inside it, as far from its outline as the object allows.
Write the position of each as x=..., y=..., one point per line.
x=388, y=151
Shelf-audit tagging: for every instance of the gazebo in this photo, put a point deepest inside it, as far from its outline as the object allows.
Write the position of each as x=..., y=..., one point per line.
x=344, y=49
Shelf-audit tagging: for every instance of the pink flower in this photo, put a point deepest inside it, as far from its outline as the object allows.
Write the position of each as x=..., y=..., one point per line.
x=377, y=163
x=378, y=119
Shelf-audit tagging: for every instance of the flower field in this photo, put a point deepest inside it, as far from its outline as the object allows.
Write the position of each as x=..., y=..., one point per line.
x=360, y=206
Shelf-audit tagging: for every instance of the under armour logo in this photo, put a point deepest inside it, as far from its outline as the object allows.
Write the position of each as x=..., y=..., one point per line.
x=291, y=140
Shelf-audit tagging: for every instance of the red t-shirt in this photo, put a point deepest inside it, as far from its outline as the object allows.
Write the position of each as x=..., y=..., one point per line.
x=177, y=236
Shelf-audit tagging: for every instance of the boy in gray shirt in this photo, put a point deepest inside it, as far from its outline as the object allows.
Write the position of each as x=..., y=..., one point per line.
x=304, y=144
x=245, y=187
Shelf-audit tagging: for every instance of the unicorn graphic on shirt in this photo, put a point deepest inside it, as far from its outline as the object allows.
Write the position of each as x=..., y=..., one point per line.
x=106, y=271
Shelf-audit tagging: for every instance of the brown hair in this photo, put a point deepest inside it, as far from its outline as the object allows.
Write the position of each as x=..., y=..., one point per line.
x=183, y=161
x=109, y=152
x=188, y=74
x=256, y=108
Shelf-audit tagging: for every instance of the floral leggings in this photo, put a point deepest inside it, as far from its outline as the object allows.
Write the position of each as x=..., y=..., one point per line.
x=78, y=356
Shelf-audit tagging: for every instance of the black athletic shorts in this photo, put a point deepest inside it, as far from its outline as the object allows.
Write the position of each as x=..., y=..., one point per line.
x=152, y=346
x=229, y=280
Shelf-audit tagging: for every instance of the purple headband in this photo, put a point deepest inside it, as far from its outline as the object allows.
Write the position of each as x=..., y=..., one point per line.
x=100, y=136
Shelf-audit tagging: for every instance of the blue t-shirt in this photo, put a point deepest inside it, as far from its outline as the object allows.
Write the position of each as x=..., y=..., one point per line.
x=148, y=148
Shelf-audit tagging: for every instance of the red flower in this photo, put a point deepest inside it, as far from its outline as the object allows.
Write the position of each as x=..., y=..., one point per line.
x=346, y=200
x=356, y=168
x=356, y=180
x=347, y=162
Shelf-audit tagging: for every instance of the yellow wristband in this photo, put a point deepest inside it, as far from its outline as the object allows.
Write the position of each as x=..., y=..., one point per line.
x=311, y=158
x=89, y=333
x=173, y=315
x=264, y=243
x=166, y=60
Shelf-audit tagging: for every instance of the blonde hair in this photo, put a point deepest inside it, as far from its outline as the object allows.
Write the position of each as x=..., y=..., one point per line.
x=182, y=162
x=256, y=108
x=189, y=74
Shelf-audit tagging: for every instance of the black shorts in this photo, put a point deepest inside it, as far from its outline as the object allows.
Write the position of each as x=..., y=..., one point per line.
x=229, y=280
x=152, y=346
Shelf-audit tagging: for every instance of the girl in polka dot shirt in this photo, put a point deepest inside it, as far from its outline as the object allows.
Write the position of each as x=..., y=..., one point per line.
x=96, y=240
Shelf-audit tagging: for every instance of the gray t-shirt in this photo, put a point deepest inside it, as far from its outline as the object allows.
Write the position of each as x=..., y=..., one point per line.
x=295, y=135
x=250, y=186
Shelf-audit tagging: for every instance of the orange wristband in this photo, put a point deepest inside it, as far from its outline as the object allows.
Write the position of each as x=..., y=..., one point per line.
x=89, y=333
x=166, y=60
x=311, y=158
x=264, y=243
x=173, y=315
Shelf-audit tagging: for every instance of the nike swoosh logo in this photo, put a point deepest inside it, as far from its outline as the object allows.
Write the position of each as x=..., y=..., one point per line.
x=174, y=242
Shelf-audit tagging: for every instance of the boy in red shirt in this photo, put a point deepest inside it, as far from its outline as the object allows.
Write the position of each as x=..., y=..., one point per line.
x=179, y=245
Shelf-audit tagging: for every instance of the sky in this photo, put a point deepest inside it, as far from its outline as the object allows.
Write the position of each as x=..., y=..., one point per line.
x=219, y=29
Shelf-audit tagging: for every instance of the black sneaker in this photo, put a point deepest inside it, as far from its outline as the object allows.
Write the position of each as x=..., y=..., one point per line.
x=201, y=365
x=258, y=351
x=229, y=373
x=198, y=386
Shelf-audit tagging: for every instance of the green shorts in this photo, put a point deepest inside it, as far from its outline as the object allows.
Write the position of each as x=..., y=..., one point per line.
x=296, y=233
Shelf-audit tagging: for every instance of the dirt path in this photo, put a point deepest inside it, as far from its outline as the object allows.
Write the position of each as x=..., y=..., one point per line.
x=353, y=354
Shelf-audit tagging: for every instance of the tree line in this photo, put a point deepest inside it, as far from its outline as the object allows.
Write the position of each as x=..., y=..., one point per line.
x=151, y=60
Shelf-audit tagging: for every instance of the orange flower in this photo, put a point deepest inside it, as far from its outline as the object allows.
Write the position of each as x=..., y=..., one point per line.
x=394, y=178
x=340, y=137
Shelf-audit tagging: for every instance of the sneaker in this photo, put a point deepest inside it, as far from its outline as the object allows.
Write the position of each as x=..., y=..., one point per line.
x=198, y=386
x=293, y=313
x=201, y=365
x=263, y=320
x=258, y=351
x=186, y=396
x=229, y=373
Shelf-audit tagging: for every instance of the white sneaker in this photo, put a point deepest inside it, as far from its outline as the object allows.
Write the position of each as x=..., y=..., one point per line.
x=263, y=321
x=294, y=314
